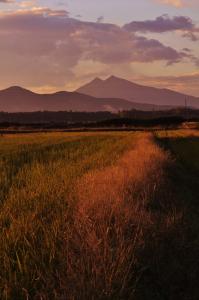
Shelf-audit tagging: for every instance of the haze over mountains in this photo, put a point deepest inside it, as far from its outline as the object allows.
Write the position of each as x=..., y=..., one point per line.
x=112, y=94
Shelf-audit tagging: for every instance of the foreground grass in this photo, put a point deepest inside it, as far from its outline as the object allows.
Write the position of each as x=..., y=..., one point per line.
x=99, y=216
x=111, y=223
x=76, y=211
x=38, y=175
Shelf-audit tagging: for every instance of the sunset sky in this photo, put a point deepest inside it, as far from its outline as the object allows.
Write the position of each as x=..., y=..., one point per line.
x=49, y=45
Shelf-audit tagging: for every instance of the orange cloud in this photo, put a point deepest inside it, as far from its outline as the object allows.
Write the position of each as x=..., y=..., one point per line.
x=179, y=3
x=176, y=3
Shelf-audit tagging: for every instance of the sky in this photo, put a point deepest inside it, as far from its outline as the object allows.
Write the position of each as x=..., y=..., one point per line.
x=51, y=45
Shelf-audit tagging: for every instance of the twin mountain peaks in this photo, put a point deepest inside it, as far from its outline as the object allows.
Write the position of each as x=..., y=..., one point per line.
x=112, y=94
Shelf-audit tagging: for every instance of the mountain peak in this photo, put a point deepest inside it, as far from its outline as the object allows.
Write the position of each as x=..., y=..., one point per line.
x=118, y=80
x=113, y=78
x=97, y=79
x=16, y=89
x=115, y=87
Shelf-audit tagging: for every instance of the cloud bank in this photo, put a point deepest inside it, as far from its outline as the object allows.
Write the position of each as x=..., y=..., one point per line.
x=166, y=24
x=179, y=3
x=44, y=45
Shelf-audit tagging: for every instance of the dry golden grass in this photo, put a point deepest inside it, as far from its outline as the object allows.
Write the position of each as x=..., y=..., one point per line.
x=76, y=218
x=109, y=224
x=37, y=176
x=182, y=133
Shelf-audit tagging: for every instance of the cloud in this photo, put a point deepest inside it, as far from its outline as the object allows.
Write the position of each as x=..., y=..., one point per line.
x=176, y=3
x=161, y=24
x=179, y=3
x=165, y=24
x=41, y=46
x=27, y=3
x=7, y=1
x=186, y=83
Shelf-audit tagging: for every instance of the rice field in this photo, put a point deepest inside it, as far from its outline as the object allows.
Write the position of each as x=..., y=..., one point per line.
x=94, y=215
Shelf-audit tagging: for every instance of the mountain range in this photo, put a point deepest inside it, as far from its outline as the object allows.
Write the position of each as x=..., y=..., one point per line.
x=115, y=87
x=17, y=99
x=112, y=94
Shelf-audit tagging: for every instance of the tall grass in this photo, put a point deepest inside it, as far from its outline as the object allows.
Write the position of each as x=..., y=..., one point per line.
x=38, y=179
x=76, y=213
x=110, y=224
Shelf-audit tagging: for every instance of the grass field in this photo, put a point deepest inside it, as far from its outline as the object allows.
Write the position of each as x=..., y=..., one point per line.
x=38, y=173
x=98, y=215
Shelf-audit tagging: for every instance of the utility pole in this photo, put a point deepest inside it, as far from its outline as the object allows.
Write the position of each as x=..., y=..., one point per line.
x=185, y=103
x=186, y=108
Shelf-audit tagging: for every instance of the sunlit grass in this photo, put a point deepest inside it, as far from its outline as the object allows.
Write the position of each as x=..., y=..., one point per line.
x=38, y=176
x=82, y=215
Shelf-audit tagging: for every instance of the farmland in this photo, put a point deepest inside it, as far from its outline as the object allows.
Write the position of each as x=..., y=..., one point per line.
x=98, y=215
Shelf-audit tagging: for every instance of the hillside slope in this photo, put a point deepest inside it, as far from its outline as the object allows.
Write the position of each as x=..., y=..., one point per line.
x=17, y=99
x=124, y=89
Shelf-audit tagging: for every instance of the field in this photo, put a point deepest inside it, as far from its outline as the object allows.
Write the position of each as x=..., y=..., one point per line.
x=99, y=215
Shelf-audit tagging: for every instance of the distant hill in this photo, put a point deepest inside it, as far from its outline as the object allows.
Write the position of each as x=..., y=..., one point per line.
x=124, y=89
x=17, y=99
x=113, y=95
